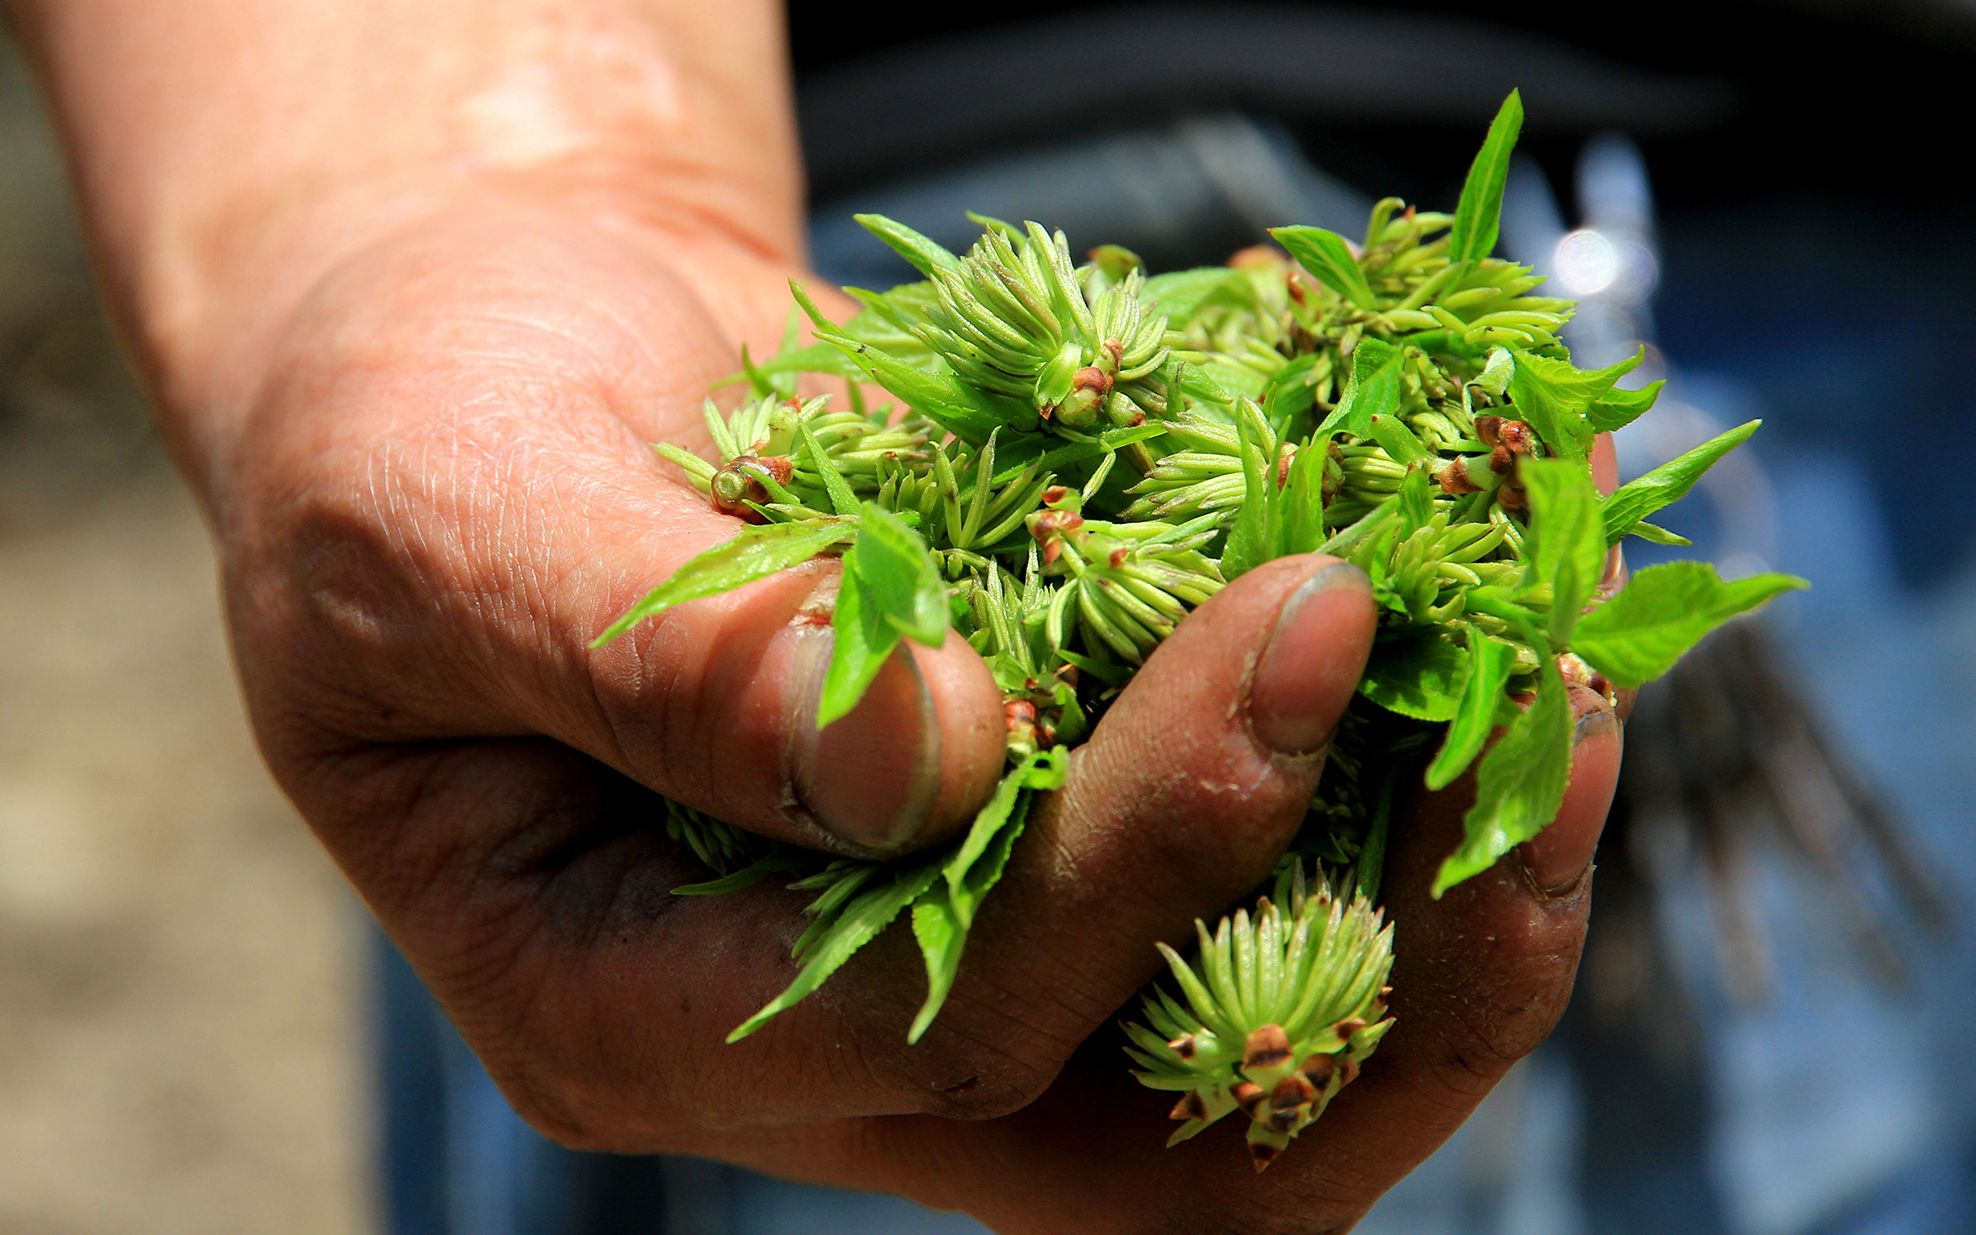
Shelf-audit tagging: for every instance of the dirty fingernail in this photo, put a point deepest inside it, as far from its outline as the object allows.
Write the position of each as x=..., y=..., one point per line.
x=870, y=778
x=1311, y=664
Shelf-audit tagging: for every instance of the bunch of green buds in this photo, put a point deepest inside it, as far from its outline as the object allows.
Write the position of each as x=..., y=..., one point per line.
x=1082, y=454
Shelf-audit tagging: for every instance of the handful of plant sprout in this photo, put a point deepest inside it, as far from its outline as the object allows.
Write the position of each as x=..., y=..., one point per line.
x=1082, y=453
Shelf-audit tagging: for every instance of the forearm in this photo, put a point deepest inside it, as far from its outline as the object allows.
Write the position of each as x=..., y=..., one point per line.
x=228, y=152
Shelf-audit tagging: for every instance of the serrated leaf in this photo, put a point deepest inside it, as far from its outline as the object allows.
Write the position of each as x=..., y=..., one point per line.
x=1417, y=673
x=1665, y=610
x=967, y=874
x=1487, y=673
x=756, y=553
x=925, y=254
x=1519, y=785
x=1668, y=483
x=1326, y=255
x=862, y=640
x=1556, y=398
x=899, y=578
x=1565, y=547
x=941, y=939
x=856, y=925
x=1619, y=408
x=1478, y=215
x=944, y=915
x=1374, y=390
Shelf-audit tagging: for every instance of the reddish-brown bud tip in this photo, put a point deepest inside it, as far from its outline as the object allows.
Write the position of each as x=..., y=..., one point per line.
x=1291, y=1092
x=1347, y=1027
x=1454, y=479
x=1055, y=494
x=1249, y=1096
x=1319, y=1068
x=1268, y=1047
x=1262, y=1154
x=1190, y=1106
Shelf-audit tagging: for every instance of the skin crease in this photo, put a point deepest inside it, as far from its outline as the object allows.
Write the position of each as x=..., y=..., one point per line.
x=410, y=357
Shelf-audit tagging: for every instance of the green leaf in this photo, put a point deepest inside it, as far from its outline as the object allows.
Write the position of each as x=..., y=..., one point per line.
x=926, y=255
x=1400, y=442
x=1620, y=408
x=1478, y=216
x=1301, y=525
x=855, y=926
x=756, y=553
x=941, y=939
x=1326, y=255
x=899, y=578
x=1489, y=664
x=1639, y=634
x=1520, y=784
x=1416, y=499
x=938, y=395
x=1252, y=540
x=779, y=860
x=1654, y=534
x=842, y=500
x=968, y=875
x=943, y=916
x=1416, y=673
x=862, y=641
x=1556, y=398
x=1565, y=547
x=1668, y=483
x=1180, y=294
x=1288, y=393
x=1373, y=391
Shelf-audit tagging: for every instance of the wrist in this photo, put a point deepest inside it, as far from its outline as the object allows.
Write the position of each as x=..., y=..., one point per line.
x=229, y=158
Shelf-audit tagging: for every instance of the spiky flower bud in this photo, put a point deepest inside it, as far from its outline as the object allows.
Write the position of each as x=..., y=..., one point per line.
x=1273, y=1013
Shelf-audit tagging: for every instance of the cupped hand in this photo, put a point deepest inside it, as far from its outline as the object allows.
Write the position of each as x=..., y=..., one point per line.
x=445, y=491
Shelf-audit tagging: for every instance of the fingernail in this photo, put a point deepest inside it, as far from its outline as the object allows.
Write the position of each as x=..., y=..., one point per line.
x=1556, y=860
x=1312, y=661
x=869, y=779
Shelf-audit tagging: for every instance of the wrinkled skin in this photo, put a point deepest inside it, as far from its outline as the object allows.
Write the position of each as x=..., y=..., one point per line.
x=431, y=487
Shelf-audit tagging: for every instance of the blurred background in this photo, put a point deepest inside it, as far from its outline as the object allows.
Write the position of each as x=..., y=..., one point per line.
x=1770, y=1033
x=179, y=993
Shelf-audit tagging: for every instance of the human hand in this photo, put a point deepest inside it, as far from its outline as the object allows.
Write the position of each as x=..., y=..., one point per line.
x=444, y=492
x=410, y=348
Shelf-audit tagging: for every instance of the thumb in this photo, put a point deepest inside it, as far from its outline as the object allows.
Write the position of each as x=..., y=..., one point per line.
x=715, y=704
